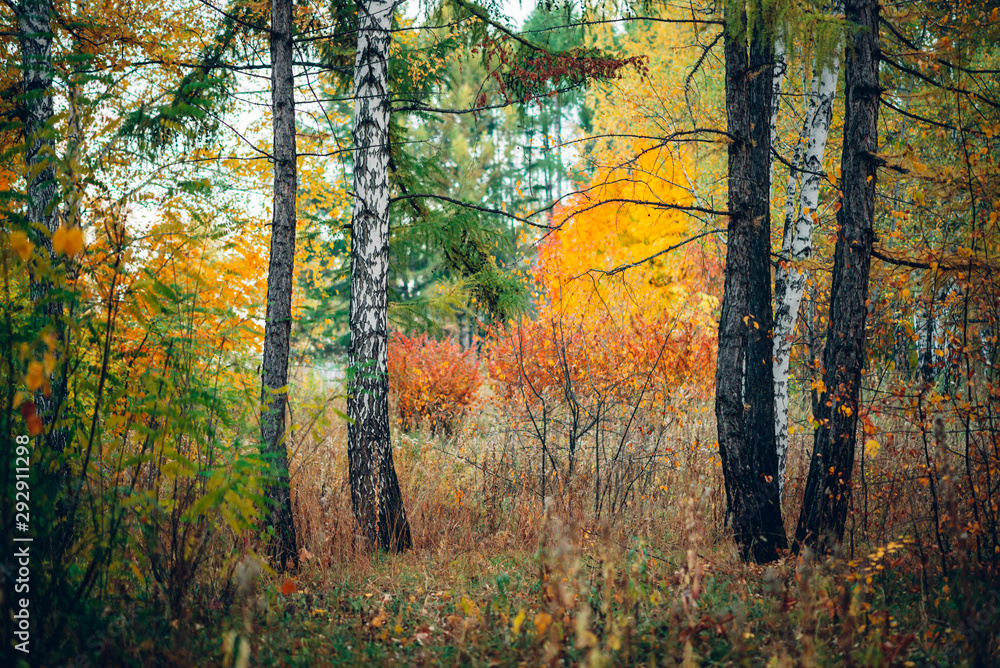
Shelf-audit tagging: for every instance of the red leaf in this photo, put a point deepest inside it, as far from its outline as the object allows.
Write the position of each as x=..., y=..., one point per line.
x=287, y=587
x=27, y=409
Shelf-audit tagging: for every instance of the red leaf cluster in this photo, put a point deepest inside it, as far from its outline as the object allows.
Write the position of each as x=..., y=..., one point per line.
x=523, y=77
x=622, y=362
x=432, y=381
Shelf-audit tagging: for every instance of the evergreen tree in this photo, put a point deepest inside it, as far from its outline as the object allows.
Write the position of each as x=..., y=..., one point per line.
x=278, y=322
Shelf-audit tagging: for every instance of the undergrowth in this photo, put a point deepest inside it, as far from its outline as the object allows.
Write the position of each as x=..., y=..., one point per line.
x=502, y=577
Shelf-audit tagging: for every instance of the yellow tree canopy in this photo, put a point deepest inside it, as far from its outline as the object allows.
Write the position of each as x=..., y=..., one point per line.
x=626, y=215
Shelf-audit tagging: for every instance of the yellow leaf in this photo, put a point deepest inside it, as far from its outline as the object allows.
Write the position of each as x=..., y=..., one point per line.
x=74, y=241
x=59, y=240
x=872, y=447
x=468, y=607
x=34, y=425
x=137, y=572
x=518, y=621
x=20, y=244
x=35, y=376
x=68, y=241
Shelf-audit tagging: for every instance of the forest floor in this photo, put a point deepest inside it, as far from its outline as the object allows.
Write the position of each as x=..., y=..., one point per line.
x=600, y=604
x=497, y=578
x=503, y=582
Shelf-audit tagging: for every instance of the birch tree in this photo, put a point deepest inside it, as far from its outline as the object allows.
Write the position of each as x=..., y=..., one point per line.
x=35, y=36
x=375, y=495
x=801, y=202
x=277, y=329
x=828, y=489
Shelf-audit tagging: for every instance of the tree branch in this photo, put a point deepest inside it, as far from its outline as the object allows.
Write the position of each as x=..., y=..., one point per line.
x=943, y=86
x=467, y=205
x=624, y=267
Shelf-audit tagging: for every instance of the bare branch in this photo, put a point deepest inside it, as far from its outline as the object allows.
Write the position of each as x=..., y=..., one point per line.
x=624, y=267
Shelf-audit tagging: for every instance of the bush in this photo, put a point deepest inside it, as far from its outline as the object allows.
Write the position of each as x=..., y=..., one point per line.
x=431, y=380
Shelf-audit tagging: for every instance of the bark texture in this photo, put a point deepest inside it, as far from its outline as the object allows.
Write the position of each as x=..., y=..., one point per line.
x=777, y=82
x=375, y=494
x=800, y=206
x=278, y=327
x=744, y=383
x=35, y=33
x=828, y=490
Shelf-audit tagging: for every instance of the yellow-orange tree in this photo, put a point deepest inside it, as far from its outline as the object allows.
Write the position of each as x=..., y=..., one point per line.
x=608, y=345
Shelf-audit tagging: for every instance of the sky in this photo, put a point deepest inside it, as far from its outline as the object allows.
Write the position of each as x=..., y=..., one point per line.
x=518, y=10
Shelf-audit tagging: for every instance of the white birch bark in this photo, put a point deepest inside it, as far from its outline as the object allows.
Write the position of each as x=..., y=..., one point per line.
x=35, y=36
x=375, y=494
x=780, y=69
x=796, y=246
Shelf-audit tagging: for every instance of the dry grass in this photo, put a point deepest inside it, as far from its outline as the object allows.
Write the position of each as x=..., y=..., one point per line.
x=500, y=576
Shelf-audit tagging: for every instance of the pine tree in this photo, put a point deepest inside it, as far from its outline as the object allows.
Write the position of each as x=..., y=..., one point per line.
x=278, y=324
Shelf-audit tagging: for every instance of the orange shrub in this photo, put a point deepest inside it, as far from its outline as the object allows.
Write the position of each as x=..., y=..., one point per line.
x=623, y=362
x=431, y=380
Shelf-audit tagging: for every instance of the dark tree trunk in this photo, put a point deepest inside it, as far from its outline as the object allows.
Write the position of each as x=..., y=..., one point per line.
x=35, y=23
x=828, y=489
x=375, y=495
x=278, y=326
x=744, y=405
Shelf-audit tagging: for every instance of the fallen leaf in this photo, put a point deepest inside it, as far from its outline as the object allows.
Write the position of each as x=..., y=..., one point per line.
x=518, y=621
x=542, y=622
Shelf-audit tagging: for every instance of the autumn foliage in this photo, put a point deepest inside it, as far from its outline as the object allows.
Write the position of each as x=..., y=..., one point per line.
x=623, y=362
x=432, y=382
x=629, y=338
x=562, y=472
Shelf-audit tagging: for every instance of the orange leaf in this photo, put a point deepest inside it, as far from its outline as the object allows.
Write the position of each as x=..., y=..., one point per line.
x=542, y=622
x=34, y=425
x=287, y=587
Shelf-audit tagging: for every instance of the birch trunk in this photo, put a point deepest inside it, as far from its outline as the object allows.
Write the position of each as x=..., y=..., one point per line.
x=35, y=33
x=777, y=81
x=278, y=325
x=375, y=494
x=790, y=277
x=744, y=383
x=828, y=489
